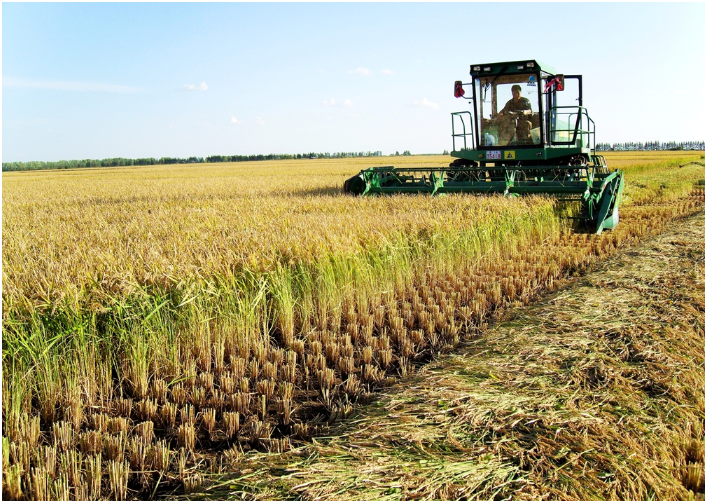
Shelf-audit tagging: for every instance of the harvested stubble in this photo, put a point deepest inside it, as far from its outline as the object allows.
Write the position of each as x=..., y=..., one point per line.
x=225, y=342
x=595, y=392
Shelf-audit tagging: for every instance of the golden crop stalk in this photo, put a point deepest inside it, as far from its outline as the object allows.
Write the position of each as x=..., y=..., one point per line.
x=223, y=306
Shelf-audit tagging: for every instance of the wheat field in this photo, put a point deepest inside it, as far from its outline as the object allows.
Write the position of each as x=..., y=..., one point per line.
x=157, y=318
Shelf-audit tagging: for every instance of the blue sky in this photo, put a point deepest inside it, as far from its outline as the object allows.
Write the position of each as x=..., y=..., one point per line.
x=96, y=80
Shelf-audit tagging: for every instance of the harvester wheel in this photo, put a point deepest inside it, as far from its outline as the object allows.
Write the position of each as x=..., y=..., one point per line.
x=463, y=163
x=355, y=185
x=463, y=175
x=578, y=160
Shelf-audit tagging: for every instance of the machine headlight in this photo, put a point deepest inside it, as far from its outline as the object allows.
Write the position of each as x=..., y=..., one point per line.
x=520, y=67
x=487, y=68
x=477, y=68
x=530, y=64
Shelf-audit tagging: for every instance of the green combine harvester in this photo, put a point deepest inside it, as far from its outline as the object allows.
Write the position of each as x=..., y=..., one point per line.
x=528, y=134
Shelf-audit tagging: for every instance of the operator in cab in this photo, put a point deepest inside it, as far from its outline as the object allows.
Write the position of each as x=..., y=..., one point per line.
x=511, y=127
x=517, y=103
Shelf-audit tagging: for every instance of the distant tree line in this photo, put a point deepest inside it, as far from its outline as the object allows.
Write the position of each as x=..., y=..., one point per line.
x=148, y=161
x=652, y=145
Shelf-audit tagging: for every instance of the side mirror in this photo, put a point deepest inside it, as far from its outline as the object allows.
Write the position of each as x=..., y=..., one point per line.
x=560, y=85
x=458, y=89
x=556, y=84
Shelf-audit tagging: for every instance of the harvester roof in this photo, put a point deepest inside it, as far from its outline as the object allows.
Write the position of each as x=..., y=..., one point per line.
x=511, y=67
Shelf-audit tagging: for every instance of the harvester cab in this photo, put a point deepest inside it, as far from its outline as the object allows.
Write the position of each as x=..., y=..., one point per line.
x=527, y=133
x=523, y=112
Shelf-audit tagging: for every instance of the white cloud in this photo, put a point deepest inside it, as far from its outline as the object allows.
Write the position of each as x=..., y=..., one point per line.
x=234, y=120
x=193, y=87
x=364, y=72
x=347, y=103
x=259, y=121
x=386, y=71
x=60, y=85
x=425, y=103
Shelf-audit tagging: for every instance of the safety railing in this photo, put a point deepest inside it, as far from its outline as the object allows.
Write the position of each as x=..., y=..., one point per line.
x=584, y=127
x=464, y=132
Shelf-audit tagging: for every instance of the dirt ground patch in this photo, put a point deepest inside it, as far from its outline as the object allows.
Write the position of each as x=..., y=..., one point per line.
x=597, y=391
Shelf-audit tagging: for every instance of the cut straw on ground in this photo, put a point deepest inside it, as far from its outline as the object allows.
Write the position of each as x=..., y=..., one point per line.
x=596, y=392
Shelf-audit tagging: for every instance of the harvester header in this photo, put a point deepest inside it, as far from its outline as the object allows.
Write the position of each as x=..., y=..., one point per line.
x=527, y=133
